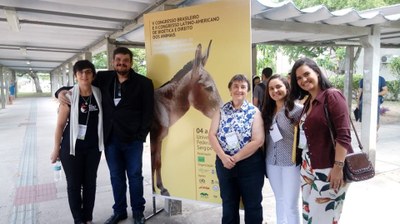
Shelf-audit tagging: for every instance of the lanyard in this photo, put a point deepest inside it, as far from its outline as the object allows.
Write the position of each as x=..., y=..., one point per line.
x=88, y=107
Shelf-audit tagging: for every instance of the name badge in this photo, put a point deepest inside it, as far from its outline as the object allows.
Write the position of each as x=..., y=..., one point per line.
x=232, y=140
x=275, y=133
x=82, y=132
x=302, y=140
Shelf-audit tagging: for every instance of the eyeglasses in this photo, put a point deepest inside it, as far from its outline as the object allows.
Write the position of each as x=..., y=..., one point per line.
x=85, y=71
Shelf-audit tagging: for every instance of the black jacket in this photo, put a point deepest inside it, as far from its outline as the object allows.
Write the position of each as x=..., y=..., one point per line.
x=131, y=119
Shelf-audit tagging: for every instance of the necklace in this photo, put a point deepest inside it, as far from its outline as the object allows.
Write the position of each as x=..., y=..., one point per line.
x=88, y=98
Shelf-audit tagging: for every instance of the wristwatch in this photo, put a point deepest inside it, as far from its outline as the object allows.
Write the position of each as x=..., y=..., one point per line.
x=339, y=164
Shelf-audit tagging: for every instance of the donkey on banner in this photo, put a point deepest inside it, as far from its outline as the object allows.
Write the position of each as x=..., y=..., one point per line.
x=191, y=86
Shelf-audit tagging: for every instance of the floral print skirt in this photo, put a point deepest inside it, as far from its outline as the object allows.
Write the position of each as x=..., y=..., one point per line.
x=321, y=204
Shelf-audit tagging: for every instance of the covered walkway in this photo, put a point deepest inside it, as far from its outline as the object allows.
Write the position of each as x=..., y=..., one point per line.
x=30, y=195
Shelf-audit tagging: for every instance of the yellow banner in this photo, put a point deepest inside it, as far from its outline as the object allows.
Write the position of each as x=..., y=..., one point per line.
x=192, y=53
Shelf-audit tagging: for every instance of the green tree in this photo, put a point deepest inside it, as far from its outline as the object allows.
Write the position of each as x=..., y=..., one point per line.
x=100, y=60
x=266, y=57
x=394, y=86
x=338, y=82
x=35, y=77
x=334, y=5
x=139, y=60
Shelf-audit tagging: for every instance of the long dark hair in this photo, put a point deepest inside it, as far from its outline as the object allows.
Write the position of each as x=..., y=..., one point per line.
x=297, y=92
x=269, y=104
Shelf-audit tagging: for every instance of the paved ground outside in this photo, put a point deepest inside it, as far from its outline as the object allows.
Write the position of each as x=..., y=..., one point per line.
x=28, y=193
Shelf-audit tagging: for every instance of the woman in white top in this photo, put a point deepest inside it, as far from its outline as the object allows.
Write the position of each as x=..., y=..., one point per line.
x=78, y=142
x=280, y=116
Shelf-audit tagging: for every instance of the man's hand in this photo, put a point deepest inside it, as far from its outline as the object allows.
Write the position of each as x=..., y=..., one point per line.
x=64, y=96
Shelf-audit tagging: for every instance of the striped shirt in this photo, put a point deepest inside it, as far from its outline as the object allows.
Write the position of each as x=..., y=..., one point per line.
x=280, y=153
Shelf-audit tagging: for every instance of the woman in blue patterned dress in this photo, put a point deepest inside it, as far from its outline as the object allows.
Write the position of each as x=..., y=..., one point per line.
x=280, y=115
x=236, y=134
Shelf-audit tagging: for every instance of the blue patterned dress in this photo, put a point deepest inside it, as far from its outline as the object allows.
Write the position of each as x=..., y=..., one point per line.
x=239, y=121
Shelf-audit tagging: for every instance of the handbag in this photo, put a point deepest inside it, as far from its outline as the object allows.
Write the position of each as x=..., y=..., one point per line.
x=357, y=114
x=357, y=166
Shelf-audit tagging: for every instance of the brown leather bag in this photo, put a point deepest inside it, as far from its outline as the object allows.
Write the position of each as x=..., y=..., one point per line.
x=357, y=166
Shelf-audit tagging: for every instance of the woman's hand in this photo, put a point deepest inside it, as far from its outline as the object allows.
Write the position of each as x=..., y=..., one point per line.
x=228, y=161
x=336, y=177
x=55, y=155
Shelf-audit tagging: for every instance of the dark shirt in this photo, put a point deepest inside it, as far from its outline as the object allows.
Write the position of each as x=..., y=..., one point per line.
x=322, y=153
x=91, y=141
x=131, y=119
x=259, y=93
x=382, y=83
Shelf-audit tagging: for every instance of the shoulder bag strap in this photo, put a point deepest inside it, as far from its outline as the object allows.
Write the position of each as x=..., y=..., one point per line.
x=331, y=131
x=329, y=123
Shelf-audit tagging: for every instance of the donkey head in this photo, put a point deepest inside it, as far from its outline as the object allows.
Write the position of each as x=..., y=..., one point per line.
x=204, y=95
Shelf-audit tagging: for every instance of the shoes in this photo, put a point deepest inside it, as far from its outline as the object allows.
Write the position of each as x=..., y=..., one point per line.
x=115, y=218
x=140, y=220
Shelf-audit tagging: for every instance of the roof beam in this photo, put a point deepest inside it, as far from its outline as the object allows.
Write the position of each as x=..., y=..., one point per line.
x=136, y=23
x=24, y=21
x=287, y=26
x=75, y=15
x=12, y=19
x=32, y=67
x=30, y=60
x=40, y=48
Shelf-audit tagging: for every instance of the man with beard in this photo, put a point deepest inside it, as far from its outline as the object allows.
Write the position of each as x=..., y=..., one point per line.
x=128, y=112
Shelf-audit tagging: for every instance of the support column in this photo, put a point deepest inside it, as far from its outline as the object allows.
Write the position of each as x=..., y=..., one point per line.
x=2, y=92
x=64, y=75
x=348, y=76
x=253, y=60
x=86, y=56
x=110, y=49
x=57, y=80
x=371, y=44
x=70, y=74
x=54, y=81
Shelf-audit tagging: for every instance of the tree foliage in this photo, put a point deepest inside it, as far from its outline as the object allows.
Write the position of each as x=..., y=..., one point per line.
x=266, y=57
x=330, y=57
x=394, y=66
x=100, y=60
x=334, y=5
x=139, y=60
x=394, y=86
x=338, y=82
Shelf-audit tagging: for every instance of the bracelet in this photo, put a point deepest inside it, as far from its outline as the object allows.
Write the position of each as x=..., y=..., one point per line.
x=339, y=164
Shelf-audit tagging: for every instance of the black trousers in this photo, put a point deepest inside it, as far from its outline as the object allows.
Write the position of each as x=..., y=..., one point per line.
x=81, y=174
x=244, y=181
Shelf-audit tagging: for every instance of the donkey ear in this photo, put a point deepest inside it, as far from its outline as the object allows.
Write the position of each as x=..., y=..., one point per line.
x=204, y=59
x=197, y=58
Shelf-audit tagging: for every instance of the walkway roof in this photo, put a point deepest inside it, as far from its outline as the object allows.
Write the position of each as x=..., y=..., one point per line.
x=44, y=34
